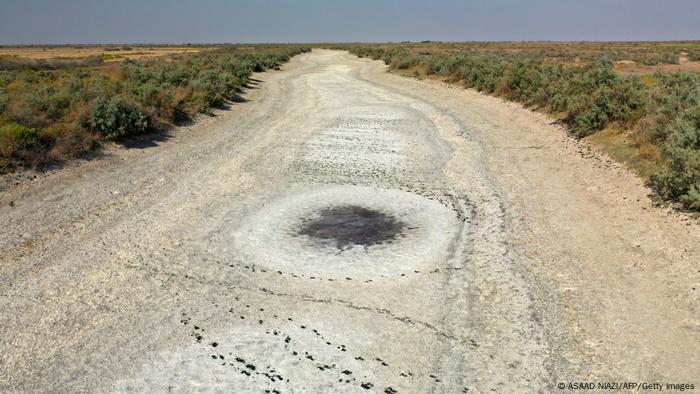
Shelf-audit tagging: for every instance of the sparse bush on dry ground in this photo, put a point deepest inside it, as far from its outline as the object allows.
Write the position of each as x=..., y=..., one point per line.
x=54, y=109
x=694, y=55
x=578, y=82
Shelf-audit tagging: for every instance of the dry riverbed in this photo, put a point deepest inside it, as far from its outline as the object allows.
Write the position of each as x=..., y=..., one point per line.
x=346, y=230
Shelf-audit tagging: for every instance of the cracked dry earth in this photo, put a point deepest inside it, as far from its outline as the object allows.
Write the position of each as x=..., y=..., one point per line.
x=345, y=230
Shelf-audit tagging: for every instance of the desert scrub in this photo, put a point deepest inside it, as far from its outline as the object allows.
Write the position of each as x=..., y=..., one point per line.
x=16, y=137
x=116, y=117
x=17, y=143
x=54, y=110
x=582, y=88
x=678, y=134
x=681, y=145
x=694, y=55
x=593, y=94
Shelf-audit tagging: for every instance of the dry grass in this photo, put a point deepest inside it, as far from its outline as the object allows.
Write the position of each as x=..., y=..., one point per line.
x=110, y=53
x=643, y=157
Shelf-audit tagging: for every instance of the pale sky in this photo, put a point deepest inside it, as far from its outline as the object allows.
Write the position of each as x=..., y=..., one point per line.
x=217, y=21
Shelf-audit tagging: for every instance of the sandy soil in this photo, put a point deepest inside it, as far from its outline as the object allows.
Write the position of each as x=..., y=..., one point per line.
x=472, y=247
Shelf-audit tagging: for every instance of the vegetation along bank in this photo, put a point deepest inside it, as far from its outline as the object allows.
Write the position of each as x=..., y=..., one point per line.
x=651, y=121
x=56, y=109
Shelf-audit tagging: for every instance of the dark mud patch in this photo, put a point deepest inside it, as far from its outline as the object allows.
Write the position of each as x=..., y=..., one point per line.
x=351, y=225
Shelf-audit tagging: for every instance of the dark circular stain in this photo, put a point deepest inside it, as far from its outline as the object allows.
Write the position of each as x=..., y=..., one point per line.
x=352, y=225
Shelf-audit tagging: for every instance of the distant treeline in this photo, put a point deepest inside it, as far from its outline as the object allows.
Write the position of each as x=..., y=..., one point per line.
x=586, y=92
x=55, y=109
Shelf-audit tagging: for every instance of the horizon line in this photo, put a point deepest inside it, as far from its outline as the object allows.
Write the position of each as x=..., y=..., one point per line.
x=694, y=40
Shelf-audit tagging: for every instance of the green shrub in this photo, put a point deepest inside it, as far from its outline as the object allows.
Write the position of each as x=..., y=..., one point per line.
x=22, y=135
x=16, y=140
x=116, y=117
x=694, y=55
x=681, y=146
x=481, y=73
x=3, y=100
x=48, y=104
x=657, y=58
x=629, y=99
x=680, y=91
x=691, y=199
